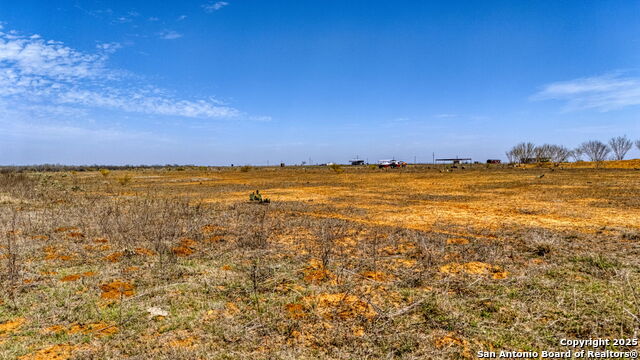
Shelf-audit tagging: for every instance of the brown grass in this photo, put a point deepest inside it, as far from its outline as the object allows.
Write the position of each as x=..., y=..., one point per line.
x=365, y=263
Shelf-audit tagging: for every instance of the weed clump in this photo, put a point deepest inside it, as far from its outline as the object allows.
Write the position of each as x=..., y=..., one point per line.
x=124, y=180
x=257, y=197
x=336, y=168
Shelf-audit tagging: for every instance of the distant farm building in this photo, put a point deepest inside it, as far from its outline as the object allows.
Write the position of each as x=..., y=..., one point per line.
x=455, y=161
x=357, y=162
x=494, y=161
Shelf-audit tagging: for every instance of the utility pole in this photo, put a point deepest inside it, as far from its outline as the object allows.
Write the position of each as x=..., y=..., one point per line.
x=414, y=160
x=433, y=155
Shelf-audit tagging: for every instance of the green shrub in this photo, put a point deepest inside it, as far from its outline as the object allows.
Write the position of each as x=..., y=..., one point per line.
x=257, y=197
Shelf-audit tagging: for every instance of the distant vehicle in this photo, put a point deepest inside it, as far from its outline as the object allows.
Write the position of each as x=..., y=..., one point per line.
x=391, y=164
x=357, y=162
x=494, y=161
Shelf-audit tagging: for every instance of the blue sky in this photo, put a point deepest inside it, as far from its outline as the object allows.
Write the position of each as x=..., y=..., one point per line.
x=251, y=82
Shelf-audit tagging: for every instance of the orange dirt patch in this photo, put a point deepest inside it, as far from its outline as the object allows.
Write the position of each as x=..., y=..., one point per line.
x=144, y=251
x=182, y=343
x=65, y=229
x=116, y=289
x=458, y=241
x=97, y=329
x=75, y=277
x=357, y=331
x=406, y=262
x=132, y=269
x=475, y=268
x=11, y=326
x=448, y=341
x=339, y=305
x=208, y=229
x=51, y=253
x=115, y=257
x=75, y=234
x=377, y=276
x=398, y=250
x=214, y=239
x=55, y=352
x=229, y=311
x=315, y=272
x=185, y=248
x=40, y=237
x=451, y=340
x=295, y=311
x=100, y=240
x=54, y=329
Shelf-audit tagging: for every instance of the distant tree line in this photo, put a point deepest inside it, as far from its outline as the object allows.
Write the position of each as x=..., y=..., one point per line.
x=80, y=168
x=593, y=150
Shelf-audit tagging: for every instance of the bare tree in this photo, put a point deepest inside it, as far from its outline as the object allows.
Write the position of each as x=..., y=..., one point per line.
x=638, y=144
x=543, y=152
x=559, y=153
x=550, y=152
x=511, y=156
x=620, y=146
x=576, y=154
x=522, y=152
x=595, y=150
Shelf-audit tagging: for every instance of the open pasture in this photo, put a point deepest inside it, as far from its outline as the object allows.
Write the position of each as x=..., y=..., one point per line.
x=421, y=262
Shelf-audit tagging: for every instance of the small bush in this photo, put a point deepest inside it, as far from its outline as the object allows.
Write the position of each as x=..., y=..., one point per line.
x=104, y=172
x=124, y=180
x=257, y=197
x=245, y=168
x=336, y=168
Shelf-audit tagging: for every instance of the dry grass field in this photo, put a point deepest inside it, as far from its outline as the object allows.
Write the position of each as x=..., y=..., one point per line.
x=355, y=263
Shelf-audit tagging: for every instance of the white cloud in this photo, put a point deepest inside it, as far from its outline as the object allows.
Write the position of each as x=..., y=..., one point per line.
x=603, y=93
x=169, y=35
x=153, y=18
x=211, y=7
x=181, y=17
x=109, y=47
x=137, y=101
x=27, y=56
x=47, y=75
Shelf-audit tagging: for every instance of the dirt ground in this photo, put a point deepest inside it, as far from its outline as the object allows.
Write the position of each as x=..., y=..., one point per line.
x=345, y=263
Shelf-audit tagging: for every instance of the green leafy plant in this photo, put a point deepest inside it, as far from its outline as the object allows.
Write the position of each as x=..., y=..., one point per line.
x=257, y=197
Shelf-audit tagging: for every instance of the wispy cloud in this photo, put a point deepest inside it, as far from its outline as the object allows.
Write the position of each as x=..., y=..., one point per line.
x=181, y=17
x=169, y=35
x=214, y=6
x=35, y=72
x=109, y=47
x=603, y=93
x=445, y=116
